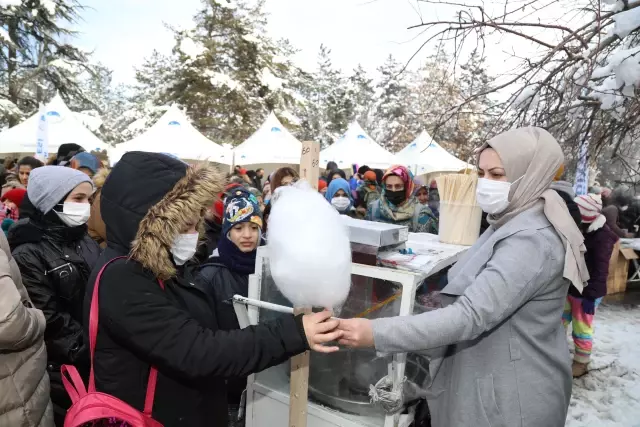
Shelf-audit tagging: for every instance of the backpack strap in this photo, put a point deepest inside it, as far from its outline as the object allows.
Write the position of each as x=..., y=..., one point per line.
x=93, y=335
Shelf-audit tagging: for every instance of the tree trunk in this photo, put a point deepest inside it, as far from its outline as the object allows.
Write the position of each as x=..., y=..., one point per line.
x=12, y=67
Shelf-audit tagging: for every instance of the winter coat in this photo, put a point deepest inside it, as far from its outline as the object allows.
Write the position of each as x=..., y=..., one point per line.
x=97, y=230
x=24, y=400
x=147, y=199
x=222, y=284
x=612, y=213
x=423, y=220
x=599, y=245
x=55, y=262
x=499, y=354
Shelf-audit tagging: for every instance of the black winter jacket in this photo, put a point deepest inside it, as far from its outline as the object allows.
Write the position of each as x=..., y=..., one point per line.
x=55, y=262
x=173, y=329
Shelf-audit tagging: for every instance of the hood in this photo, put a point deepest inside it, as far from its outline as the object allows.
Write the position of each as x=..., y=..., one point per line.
x=565, y=187
x=146, y=201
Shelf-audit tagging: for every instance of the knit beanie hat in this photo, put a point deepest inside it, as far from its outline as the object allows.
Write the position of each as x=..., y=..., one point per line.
x=48, y=185
x=240, y=206
x=590, y=206
x=16, y=195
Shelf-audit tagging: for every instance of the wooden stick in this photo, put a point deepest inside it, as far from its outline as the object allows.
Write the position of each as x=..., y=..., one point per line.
x=299, y=392
x=310, y=162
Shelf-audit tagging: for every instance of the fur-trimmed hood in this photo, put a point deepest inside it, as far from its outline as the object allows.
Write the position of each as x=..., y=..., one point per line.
x=100, y=177
x=147, y=200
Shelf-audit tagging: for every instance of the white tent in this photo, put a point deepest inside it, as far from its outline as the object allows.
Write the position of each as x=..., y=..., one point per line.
x=174, y=134
x=271, y=144
x=424, y=156
x=64, y=127
x=356, y=147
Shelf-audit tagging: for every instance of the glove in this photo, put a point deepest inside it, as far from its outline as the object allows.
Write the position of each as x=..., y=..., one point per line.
x=588, y=306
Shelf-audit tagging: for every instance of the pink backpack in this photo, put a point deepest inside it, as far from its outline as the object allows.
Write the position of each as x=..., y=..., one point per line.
x=91, y=408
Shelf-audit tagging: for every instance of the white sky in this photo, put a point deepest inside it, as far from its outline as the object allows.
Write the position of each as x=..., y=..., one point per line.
x=122, y=32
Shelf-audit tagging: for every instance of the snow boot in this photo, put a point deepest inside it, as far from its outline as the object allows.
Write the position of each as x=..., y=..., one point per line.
x=579, y=369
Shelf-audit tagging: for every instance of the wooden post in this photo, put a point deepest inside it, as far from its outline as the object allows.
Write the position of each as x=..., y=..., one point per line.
x=310, y=163
x=299, y=392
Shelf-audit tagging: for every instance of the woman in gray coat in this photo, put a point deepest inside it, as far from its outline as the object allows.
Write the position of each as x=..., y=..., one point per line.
x=499, y=354
x=24, y=383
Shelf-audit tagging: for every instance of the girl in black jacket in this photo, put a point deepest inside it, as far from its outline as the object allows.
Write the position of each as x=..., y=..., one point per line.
x=227, y=272
x=152, y=205
x=55, y=256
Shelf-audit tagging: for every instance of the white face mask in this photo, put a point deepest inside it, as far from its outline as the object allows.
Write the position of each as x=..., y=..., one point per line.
x=340, y=203
x=493, y=196
x=184, y=247
x=74, y=214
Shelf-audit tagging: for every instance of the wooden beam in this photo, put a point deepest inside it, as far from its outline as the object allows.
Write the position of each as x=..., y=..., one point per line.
x=310, y=163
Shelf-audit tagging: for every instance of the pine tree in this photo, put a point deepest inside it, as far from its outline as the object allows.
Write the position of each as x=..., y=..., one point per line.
x=394, y=126
x=225, y=71
x=36, y=58
x=362, y=95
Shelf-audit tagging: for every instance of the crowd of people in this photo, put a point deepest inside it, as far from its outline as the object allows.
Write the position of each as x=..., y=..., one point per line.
x=152, y=251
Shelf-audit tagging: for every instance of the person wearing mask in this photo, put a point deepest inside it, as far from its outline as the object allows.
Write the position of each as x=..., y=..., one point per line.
x=226, y=272
x=24, y=168
x=55, y=255
x=153, y=206
x=339, y=195
x=86, y=163
x=24, y=381
x=580, y=307
x=96, y=228
x=10, y=207
x=498, y=352
x=397, y=205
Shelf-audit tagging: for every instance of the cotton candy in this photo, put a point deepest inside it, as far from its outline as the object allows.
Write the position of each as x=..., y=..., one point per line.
x=309, y=249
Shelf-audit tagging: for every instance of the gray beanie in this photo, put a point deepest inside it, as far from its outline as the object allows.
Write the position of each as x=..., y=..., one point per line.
x=49, y=184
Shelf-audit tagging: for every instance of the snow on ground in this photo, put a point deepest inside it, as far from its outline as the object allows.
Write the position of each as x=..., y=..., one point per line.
x=609, y=395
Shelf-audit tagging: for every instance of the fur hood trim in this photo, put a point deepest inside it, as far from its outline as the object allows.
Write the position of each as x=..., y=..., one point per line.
x=188, y=199
x=100, y=177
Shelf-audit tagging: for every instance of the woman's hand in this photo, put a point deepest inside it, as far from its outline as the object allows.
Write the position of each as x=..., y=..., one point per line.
x=320, y=328
x=356, y=333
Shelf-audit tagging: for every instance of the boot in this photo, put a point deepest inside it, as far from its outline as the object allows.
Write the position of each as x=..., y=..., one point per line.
x=579, y=369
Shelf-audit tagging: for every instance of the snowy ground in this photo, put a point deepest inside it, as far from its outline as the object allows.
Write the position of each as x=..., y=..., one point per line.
x=610, y=394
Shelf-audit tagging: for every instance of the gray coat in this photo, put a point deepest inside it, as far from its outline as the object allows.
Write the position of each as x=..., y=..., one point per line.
x=499, y=354
x=24, y=383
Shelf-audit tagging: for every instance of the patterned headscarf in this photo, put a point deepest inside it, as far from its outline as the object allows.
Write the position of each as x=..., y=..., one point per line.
x=404, y=174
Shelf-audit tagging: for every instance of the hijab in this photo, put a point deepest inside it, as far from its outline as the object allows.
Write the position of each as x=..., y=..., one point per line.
x=339, y=184
x=531, y=156
x=402, y=213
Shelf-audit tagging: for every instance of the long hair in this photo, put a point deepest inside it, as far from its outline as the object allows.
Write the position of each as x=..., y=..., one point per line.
x=280, y=175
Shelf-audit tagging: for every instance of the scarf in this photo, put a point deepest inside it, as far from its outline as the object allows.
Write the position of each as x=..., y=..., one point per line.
x=234, y=259
x=401, y=215
x=532, y=156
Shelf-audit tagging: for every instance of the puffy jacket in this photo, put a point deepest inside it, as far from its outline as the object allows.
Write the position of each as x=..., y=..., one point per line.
x=55, y=262
x=24, y=400
x=147, y=199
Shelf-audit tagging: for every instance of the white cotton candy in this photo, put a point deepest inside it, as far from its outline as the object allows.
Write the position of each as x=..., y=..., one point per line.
x=309, y=249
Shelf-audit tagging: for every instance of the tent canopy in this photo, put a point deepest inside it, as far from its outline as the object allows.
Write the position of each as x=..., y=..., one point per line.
x=424, y=156
x=271, y=143
x=356, y=147
x=64, y=127
x=174, y=134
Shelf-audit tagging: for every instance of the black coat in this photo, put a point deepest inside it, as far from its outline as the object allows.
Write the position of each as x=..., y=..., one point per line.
x=173, y=329
x=221, y=284
x=55, y=262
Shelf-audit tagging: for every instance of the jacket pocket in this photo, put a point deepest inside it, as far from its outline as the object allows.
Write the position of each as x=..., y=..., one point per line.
x=487, y=397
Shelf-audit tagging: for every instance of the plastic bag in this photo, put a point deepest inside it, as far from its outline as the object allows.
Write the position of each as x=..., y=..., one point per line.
x=309, y=248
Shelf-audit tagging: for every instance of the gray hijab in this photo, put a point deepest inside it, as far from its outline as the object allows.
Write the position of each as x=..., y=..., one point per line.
x=532, y=156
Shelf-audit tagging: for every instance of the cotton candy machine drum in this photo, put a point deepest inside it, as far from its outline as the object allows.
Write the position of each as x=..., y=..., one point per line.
x=341, y=380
